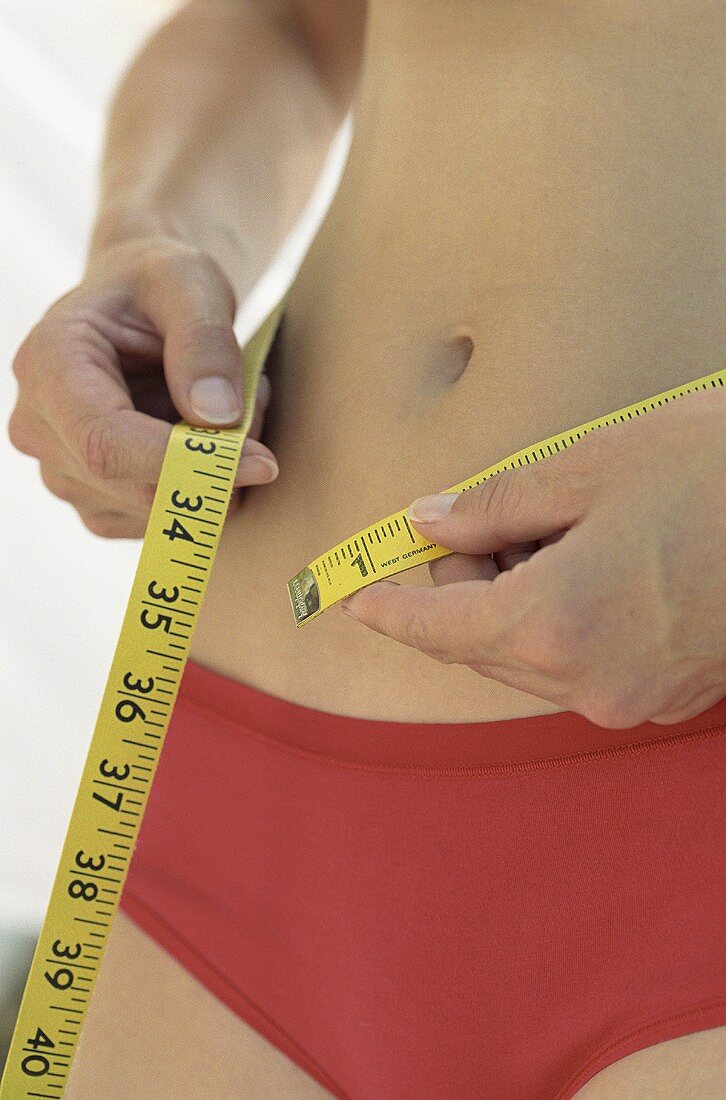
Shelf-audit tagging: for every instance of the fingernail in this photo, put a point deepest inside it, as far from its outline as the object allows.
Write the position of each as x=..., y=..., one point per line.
x=428, y=509
x=215, y=400
x=260, y=468
x=264, y=388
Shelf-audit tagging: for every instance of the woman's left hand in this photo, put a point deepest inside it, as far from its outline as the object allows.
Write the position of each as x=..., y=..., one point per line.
x=595, y=579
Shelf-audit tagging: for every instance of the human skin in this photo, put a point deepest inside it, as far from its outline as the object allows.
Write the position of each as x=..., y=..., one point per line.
x=492, y=270
x=614, y=602
x=523, y=239
x=111, y=365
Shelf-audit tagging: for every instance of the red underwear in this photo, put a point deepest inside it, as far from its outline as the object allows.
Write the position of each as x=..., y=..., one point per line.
x=430, y=911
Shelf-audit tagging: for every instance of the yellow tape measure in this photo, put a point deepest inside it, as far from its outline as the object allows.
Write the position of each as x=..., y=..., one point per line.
x=179, y=547
x=177, y=554
x=393, y=545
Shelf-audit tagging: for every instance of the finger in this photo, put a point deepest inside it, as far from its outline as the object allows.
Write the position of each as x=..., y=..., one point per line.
x=113, y=525
x=690, y=707
x=520, y=551
x=27, y=430
x=64, y=475
x=407, y=615
x=103, y=432
x=126, y=497
x=462, y=567
x=88, y=404
x=513, y=506
x=471, y=622
x=257, y=464
x=262, y=400
x=192, y=304
x=235, y=503
x=549, y=540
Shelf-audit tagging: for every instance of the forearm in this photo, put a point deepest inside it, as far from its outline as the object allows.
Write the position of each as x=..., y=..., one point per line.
x=216, y=135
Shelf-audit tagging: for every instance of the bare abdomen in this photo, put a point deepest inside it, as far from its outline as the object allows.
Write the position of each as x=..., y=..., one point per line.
x=507, y=256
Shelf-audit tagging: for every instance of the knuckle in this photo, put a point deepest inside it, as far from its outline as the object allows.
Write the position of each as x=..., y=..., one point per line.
x=616, y=698
x=65, y=488
x=216, y=338
x=185, y=264
x=146, y=495
x=501, y=498
x=548, y=642
x=563, y=641
x=211, y=332
x=573, y=468
x=206, y=269
x=103, y=524
x=98, y=448
x=23, y=361
x=161, y=264
x=609, y=711
x=201, y=270
x=22, y=436
x=420, y=635
x=167, y=255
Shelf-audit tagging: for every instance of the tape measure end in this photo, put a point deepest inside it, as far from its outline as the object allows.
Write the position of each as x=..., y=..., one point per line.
x=304, y=596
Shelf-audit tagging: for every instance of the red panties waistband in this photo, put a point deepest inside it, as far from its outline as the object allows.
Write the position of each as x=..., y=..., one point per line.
x=455, y=748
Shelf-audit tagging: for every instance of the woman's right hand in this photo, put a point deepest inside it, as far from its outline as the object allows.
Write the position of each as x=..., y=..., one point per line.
x=143, y=341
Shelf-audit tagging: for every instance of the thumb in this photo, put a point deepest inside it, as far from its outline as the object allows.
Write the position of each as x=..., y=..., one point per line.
x=512, y=506
x=192, y=304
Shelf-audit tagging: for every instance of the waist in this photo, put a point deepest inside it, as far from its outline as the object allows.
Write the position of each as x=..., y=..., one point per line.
x=426, y=338
x=247, y=631
x=454, y=749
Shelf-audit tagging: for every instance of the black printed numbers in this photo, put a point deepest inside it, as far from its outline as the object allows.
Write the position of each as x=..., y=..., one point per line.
x=152, y=621
x=37, y=1065
x=158, y=593
x=89, y=863
x=88, y=891
x=128, y=709
x=62, y=979
x=65, y=952
x=176, y=530
x=361, y=565
x=110, y=772
x=114, y=804
x=40, y=1040
x=135, y=685
x=206, y=447
x=185, y=502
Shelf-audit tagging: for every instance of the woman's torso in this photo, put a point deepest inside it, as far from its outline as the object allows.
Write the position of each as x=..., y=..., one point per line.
x=540, y=181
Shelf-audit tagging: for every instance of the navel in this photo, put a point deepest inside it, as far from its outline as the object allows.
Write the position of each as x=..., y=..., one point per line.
x=457, y=352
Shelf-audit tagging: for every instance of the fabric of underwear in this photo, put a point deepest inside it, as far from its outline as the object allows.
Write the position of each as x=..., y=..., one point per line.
x=433, y=911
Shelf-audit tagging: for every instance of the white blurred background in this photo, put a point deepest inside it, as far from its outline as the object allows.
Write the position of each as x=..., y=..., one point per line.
x=63, y=591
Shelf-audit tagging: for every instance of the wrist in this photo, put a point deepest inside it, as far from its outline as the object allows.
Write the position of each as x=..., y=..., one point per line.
x=121, y=225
